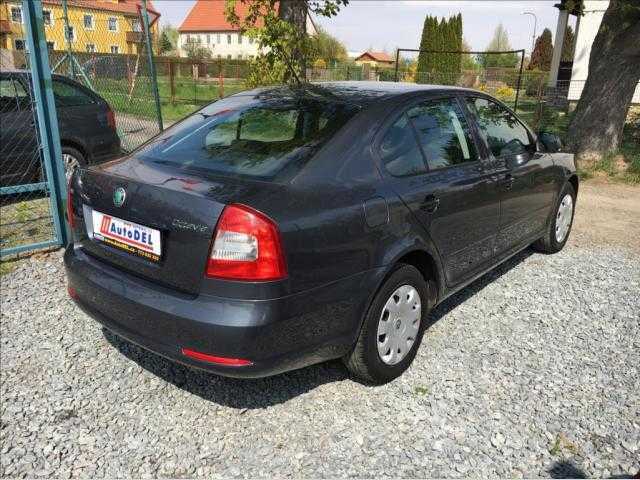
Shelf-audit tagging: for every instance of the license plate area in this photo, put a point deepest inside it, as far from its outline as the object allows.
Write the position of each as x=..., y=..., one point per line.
x=127, y=236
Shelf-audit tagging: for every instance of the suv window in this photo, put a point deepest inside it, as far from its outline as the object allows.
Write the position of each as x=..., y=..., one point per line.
x=13, y=96
x=68, y=95
x=504, y=134
x=399, y=150
x=443, y=133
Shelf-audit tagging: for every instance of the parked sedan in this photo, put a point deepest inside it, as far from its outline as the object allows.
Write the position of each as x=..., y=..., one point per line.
x=282, y=227
x=86, y=122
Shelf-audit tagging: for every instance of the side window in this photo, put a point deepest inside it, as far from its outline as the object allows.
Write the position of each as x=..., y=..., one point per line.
x=399, y=150
x=504, y=134
x=68, y=95
x=443, y=133
x=13, y=96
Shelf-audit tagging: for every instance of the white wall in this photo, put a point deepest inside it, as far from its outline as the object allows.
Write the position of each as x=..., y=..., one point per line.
x=219, y=44
x=587, y=30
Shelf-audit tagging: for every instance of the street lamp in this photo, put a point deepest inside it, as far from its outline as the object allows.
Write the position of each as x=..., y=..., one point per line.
x=535, y=24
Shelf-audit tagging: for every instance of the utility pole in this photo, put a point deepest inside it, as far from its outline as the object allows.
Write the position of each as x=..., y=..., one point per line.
x=535, y=25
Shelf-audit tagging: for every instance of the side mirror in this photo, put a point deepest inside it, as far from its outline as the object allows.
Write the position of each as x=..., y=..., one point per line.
x=550, y=141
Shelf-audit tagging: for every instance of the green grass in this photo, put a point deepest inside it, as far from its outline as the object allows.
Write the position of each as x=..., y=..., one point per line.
x=7, y=267
x=189, y=95
x=24, y=222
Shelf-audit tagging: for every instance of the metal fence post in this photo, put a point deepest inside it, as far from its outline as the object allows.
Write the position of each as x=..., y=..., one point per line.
x=515, y=106
x=46, y=114
x=152, y=65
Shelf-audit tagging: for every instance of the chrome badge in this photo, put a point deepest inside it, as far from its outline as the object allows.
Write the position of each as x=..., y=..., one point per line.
x=119, y=196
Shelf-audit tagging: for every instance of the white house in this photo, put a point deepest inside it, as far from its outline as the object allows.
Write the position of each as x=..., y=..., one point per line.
x=206, y=26
x=587, y=26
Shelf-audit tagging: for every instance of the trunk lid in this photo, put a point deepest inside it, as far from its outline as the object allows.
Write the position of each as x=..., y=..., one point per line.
x=183, y=207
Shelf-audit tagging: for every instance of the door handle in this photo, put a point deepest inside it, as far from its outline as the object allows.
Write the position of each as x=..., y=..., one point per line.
x=430, y=203
x=507, y=182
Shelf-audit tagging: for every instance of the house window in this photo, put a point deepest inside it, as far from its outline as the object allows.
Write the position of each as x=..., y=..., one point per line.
x=18, y=43
x=217, y=38
x=219, y=56
x=16, y=14
x=51, y=45
x=208, y=38
x=47, y=18
x=229, y=39
x=229, y=57
x=112, y=24
x=135, y=25
x=239, y=56
x=115, y=49
x=70, y=33
x=88, y=22
x=250, y=40
x=240, y=39
x=91, y=47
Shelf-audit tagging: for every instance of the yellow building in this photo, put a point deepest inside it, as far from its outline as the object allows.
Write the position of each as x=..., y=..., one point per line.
x=101, y=26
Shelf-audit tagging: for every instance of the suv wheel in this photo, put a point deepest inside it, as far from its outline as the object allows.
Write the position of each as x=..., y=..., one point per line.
x=72, y=159
x=393, y=328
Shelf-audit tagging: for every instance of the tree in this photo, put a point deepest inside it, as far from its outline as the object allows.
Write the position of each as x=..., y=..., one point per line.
x=280, y=30
x=468, y=61
x=168, y=39
x=569, y=45
x=542, y=52
x=327, y=48
x=614, y=72
x=197, y=52
x=499, y=43
x=443, y=35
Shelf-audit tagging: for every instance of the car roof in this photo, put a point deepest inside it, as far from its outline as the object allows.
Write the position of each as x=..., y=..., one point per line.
x=361, y=93
x=27, y=73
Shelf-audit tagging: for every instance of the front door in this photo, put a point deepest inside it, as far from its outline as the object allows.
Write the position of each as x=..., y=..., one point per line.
x=526, y=184
x=431, y=156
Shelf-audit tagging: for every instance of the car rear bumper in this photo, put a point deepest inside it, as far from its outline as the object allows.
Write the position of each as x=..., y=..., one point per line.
x=275, y=335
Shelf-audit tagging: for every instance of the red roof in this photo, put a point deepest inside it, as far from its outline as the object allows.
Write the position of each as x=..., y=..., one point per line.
x=377, y=56
x=127, y=7
x=208, y=16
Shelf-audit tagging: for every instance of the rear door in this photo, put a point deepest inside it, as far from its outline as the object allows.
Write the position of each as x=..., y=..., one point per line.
x=432, y=160
x=525, y=181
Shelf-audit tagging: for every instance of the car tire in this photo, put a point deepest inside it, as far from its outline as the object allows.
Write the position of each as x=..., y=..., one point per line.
x=369, y=360
x=72, y=159
x=560, y=225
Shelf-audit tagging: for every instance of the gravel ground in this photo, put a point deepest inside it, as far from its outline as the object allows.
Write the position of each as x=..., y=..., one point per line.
x=531, y=371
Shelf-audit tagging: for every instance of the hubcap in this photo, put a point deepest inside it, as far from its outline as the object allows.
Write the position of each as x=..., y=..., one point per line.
x=70, y=164
x=563, y=217
x=399, y=324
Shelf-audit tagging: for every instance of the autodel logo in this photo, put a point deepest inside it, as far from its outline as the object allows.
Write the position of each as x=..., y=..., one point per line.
x=119, y=196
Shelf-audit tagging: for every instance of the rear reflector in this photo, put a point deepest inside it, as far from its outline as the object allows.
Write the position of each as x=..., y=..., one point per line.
x=72, y=292
x=111, y=118
x=246, y=246
x=233, y=362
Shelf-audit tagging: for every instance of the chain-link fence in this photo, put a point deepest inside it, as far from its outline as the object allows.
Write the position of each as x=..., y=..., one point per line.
x=26, y=210
x=103, y=46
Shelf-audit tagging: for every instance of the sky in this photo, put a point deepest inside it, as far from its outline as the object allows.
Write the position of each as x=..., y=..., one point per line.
x=387, y=24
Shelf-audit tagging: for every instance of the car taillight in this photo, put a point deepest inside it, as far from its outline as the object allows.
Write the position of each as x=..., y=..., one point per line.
x=246, y=246
x=70, y=213
x=111, y=118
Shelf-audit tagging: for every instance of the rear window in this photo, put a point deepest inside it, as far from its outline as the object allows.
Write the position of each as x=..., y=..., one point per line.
x=247, y=136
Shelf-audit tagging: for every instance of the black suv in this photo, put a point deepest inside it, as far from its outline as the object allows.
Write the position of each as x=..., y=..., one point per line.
x=86, y=122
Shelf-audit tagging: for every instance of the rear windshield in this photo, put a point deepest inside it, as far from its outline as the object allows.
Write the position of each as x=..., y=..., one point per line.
x=268, y=139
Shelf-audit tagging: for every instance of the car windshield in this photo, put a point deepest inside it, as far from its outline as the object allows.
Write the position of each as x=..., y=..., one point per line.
x=248, y=136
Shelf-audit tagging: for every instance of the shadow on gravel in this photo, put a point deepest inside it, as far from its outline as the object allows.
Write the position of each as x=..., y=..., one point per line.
x=566, y=469
x=232, y=392
x=475, y=287
x=265, y=392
